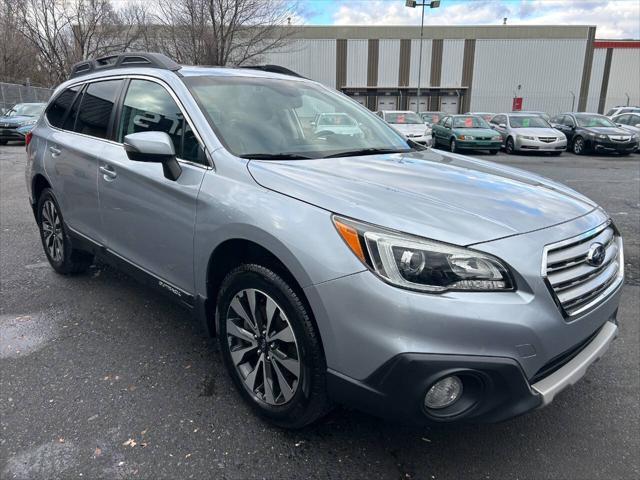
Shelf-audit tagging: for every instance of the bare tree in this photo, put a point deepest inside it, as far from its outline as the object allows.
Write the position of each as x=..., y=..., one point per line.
x=67, y=31
x=221, y=32
x=16, y=54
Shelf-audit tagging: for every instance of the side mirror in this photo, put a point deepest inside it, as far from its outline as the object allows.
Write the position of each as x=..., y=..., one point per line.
x=153, y=147
x=638, y=125
x=556, y=125
x=502, y=125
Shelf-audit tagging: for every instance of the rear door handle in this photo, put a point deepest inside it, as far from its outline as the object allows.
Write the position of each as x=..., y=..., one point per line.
x=108, y=172
x=55, y=151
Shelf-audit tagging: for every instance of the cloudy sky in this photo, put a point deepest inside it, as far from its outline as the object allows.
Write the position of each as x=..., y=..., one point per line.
x=614, y=18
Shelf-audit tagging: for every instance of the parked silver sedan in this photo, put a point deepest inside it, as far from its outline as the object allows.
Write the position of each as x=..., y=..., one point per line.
x=528, y=132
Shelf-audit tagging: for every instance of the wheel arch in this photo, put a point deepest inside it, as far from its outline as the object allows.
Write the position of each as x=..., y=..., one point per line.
x=38, y=184
x=236, y=250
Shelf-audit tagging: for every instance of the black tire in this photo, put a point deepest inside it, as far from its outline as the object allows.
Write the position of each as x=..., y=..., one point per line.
x=310, y=401
x=70, y=260
x=556, y=154
x=493, y=152
x=453, y=146
x=4, y=142
x=579, y=146
x=509, y=146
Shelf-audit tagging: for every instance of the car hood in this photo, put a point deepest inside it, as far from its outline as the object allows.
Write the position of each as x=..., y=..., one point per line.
x=606, y=130
x=440, y=196
x=538, y=132
x=410, y=128
x=475, y=132
x=15, y=120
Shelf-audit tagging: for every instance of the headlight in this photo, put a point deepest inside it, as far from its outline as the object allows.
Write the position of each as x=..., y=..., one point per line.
x=526, y=137
x=496, y=139
x=466, y=137
x=416, y=263
x=601, y=137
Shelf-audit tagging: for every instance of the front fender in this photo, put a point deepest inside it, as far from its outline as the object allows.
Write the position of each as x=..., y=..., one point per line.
x=300, y=235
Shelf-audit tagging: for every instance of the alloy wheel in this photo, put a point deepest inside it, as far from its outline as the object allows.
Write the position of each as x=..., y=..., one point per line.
x=509, y=146
x=52, y=231
x=578, y=146
x=263, y=347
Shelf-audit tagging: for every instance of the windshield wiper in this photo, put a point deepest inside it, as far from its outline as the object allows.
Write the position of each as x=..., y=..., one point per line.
x=365, y=151
x=275, y=156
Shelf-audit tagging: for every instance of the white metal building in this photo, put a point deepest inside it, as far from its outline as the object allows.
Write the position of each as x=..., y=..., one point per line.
x=553, y=68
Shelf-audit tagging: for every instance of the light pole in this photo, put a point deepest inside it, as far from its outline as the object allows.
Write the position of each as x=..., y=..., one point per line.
x=414, y=4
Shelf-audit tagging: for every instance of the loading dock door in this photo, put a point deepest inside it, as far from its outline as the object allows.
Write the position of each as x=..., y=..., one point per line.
x=424, y=104
x=449, y=104
x=387, y=103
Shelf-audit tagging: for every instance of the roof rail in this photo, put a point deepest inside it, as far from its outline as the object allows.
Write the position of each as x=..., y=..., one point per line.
x=273, y=69
x=124, y=60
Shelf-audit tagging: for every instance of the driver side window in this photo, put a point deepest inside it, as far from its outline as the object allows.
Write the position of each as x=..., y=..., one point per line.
x=148, y=107
x=447, y=122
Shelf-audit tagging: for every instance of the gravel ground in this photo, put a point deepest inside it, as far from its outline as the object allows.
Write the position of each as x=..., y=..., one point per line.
x=101, y=377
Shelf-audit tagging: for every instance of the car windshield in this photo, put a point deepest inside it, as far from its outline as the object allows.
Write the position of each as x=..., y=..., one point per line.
x=399, y=118
x=528, y=122
x=469, y=122
x=25, y=110
x=431, y=118
x=274, y=118
x=594, y=121
x=336, y=119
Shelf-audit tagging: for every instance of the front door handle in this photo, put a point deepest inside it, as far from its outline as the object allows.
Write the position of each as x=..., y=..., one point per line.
x=108, y=172
x=55, y=151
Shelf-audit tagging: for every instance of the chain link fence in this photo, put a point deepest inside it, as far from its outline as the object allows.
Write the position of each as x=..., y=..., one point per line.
x=11, y=93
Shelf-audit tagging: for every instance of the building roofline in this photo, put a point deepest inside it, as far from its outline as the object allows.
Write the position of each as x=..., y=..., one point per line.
x=442, y=32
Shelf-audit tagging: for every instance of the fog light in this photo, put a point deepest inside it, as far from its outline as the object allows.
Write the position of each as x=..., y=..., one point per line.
x=443, y=393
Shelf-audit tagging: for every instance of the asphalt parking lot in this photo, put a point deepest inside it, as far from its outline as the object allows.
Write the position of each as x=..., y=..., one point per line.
x=101, y=377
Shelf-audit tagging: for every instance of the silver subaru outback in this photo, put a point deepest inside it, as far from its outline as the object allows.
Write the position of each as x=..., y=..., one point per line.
x=361, y=269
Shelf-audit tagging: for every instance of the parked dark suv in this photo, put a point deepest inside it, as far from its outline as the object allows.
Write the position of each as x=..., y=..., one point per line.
x=590, y=132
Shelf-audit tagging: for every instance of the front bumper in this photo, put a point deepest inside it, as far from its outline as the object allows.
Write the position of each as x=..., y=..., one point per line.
x=478, y=144
x=10, y=134
x=540, y=146
x=495, y=388
x=614, y=147
x=422, y=140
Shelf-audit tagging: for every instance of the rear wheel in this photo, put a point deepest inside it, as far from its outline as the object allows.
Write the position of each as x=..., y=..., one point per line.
x=579, y=146
x=453, y=146
x=270, y=347
x=55, y=238
x=4, y=142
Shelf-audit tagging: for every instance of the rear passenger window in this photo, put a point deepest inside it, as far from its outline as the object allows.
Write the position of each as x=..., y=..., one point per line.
x=58, y=108
x=96, y=107
x=70, y=120
x=148, y=107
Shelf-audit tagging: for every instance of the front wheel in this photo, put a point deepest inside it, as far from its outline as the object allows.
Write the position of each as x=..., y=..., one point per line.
x=579, y=146
x=270, y=347
x=62, y=256
x=453, y=146
x=509, y=146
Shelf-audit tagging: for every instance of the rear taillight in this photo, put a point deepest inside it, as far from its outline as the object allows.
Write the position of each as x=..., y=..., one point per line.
x=27, y=139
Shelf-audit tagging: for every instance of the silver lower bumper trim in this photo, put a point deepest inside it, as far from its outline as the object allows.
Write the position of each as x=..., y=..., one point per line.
x=573, y=371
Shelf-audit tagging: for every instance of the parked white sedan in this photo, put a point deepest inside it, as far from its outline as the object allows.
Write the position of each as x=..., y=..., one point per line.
x=525, y=132
x=409, y=124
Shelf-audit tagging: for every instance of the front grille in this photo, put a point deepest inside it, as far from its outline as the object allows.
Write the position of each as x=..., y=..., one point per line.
x=577, y=280
x=483, y=138
x=547, y=139
x=620, y=139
